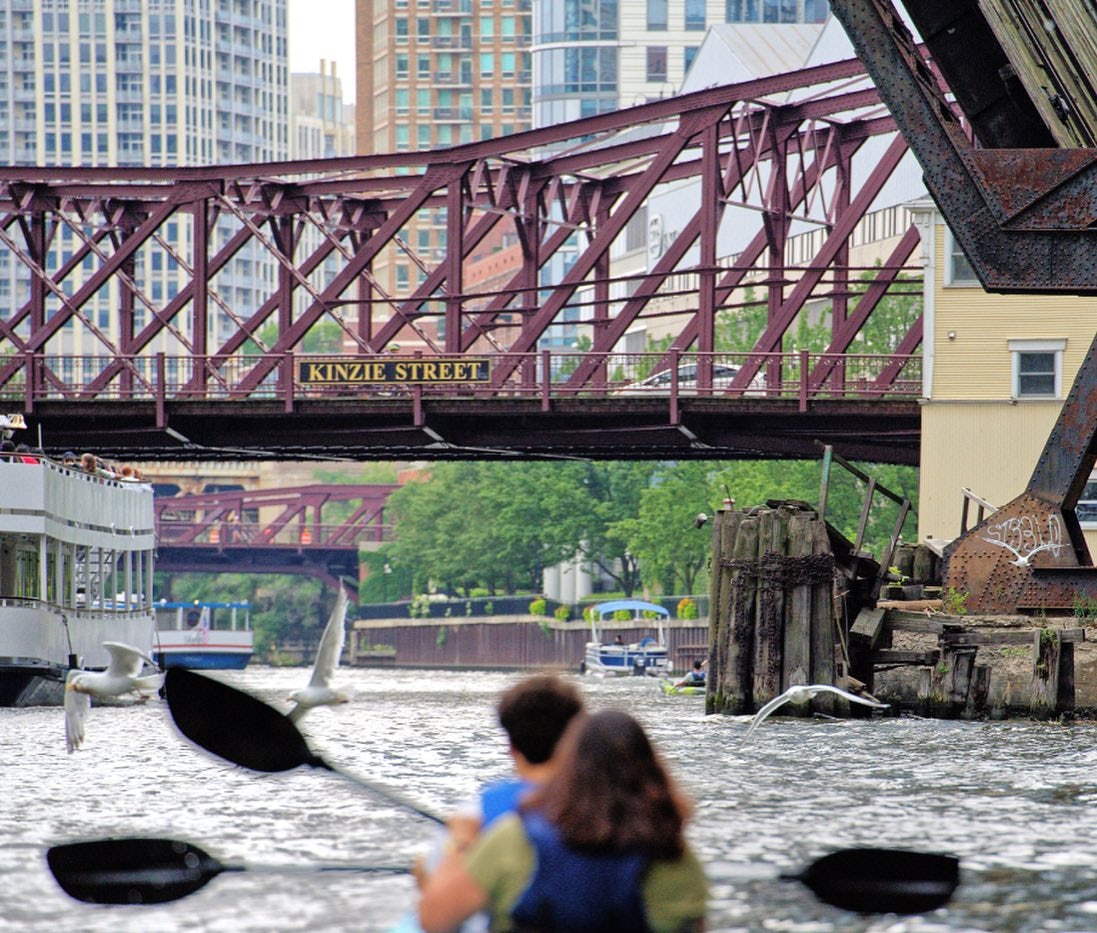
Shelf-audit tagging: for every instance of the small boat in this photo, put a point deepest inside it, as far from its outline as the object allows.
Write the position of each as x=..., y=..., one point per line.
x=203, y=635
x=688, y=690
x=648, y=656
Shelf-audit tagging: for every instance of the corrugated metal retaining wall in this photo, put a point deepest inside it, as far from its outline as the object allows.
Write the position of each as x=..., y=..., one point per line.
x=511, y=642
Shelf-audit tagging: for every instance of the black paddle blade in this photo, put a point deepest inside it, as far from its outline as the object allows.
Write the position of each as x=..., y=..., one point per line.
x=131, y=871
x=882, y=880
x=234, y=725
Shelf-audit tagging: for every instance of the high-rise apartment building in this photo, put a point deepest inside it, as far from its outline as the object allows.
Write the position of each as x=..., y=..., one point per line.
x=144, y=82
x=323, y=126
x=596, y=56
x=437, y=73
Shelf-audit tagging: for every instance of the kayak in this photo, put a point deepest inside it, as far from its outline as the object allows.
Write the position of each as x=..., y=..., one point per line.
x=670, y=690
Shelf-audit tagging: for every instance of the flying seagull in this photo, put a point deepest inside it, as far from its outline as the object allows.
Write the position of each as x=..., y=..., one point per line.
x=806, y=692
x=1021, y=561
x=319, y=692
x=122, y=676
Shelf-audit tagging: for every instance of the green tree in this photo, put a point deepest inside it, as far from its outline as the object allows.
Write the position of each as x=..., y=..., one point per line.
x=614, y=489
x=662, y=535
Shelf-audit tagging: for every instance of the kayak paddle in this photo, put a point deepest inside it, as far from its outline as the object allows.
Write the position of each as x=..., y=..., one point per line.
x=245, y=731
x=152, y=871
x=882, y=880
x=242, y=729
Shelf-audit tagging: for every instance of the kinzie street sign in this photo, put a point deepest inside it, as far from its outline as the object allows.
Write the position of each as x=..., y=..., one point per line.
x=363, y=372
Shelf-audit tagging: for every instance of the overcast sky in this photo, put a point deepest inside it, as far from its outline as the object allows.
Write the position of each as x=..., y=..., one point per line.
x=323, y=29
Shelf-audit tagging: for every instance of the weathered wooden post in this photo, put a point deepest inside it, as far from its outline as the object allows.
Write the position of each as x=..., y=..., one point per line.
x=721, y=589
x=820, y=571
x=769, y=631
x=797, y=640
x=951, y=681
x=980, y=690
x=744, y=592
x=1050, y=664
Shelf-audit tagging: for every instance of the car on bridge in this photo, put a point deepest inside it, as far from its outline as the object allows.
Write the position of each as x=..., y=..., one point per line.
x=660, y=382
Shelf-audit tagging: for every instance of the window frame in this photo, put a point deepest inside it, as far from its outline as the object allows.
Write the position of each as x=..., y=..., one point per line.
x=952, y=251
x=1019, y=347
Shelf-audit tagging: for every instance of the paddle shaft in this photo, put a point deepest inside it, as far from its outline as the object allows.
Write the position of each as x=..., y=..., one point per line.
x=383, y=792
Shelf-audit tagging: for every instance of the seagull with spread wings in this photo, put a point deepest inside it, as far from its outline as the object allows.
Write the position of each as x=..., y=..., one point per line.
x=319, y=691
x=122, y=676
x=803, y=693
x=1021, y=561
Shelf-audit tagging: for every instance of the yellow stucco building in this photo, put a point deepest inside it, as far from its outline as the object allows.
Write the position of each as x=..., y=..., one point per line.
x=996, y=371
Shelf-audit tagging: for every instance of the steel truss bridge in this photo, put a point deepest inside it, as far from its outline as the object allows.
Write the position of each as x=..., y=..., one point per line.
x=316, y=530
x=778, y=153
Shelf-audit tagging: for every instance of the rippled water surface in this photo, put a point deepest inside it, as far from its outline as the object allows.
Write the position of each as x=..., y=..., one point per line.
x=1015, y=801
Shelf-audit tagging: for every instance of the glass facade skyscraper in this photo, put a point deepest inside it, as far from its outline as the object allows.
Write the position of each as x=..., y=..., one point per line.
x=596, y=56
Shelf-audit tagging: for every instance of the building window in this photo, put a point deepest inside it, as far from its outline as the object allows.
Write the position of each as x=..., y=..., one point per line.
x=958, y=271
x=1037, y=368
x=657, y=14
x=695, y=15
x=657, y=63
x=742, y=11
x=779, y=11
x=689, y=53
x=1086, y=509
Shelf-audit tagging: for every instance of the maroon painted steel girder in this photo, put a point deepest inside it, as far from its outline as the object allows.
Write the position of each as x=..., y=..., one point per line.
x=1024, y=218
x=587, y=179
x=244, y=517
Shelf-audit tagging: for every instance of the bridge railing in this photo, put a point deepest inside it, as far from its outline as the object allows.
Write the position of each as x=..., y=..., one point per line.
x=182, y=532
x=547, y=374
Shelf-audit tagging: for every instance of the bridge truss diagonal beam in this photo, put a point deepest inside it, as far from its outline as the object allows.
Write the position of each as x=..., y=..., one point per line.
x=755, y=166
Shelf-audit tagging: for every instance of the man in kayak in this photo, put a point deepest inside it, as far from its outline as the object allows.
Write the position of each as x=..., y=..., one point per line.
x=695, y=678
x=599, y=846
x=534, y=714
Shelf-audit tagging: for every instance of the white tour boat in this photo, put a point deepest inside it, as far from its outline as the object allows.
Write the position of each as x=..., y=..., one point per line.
x=648, y=656
x=203, y=635
x=76, y=564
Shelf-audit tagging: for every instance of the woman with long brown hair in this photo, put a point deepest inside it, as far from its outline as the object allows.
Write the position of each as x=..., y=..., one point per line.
x=599, y=847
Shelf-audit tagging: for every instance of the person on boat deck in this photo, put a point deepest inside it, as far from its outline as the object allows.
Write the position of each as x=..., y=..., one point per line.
x=695, y=677
x=618, y=640
x=25, y=454
x=534, y=714
x=600, y=846
x=7, y=449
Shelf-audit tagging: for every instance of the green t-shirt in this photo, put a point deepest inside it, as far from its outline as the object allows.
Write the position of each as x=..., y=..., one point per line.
x=502, y=861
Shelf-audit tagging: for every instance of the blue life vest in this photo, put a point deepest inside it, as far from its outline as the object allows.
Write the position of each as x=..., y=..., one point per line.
x=572, y=892
x=500, y=798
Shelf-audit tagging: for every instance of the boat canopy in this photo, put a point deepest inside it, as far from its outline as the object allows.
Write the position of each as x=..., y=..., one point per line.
x=636, y=606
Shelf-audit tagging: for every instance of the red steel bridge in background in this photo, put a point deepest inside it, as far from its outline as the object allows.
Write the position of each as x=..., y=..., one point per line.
x=781, y=151
x=316, y=529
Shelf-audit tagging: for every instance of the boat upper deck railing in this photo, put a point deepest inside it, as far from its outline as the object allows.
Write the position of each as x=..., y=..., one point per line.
x=72, y=614
x=46, y=497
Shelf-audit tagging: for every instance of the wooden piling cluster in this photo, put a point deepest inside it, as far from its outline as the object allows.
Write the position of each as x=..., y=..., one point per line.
x=771, y=623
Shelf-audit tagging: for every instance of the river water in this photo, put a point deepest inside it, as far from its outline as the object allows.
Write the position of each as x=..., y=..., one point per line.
x=1016, y=801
